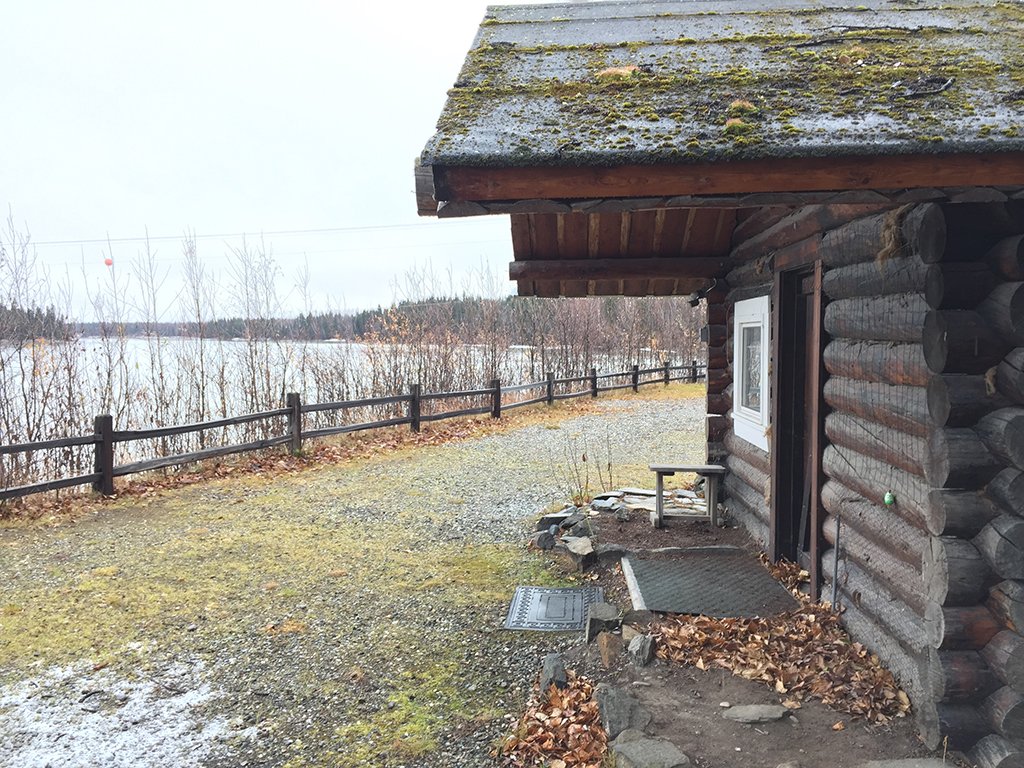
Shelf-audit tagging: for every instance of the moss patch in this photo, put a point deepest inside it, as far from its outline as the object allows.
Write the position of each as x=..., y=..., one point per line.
x=672, y=96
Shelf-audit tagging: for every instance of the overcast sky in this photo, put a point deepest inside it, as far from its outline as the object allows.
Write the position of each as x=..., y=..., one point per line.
x=237, y=117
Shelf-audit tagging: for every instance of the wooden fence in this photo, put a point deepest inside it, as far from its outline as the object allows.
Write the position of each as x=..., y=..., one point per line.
x=105, y=437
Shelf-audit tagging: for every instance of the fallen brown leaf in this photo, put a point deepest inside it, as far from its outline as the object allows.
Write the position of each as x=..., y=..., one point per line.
x=804, y=653
x=560, y=728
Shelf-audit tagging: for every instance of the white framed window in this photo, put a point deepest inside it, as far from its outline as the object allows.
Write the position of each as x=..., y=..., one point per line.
x=750, y=340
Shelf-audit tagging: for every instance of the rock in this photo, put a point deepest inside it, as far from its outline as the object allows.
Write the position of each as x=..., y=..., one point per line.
x=574, y=553
x=571, y=520
x=552, y=672
x=601, y=617
x=582, y=529
x=755, y=713
x=579, y=545
x=568, y=561
x=644, y=505
x=636, y=618
x=622, y=514
x=603, y=505
x=628, y=735
x=685, y=494
x=608, y=495
x=610, y=554
x=609, y=645
x=789, y=764
x=542, y=540
x=620, y=711
x=641, y=650
x=637, y=492
x=628, y=633
x=555, y=518
x=645, y=752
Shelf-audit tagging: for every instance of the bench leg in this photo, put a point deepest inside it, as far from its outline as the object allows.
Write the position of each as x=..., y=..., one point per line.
x=659, y=501
x=711, y=496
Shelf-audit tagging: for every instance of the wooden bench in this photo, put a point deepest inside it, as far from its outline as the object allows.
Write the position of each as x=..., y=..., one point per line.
x=711, y=474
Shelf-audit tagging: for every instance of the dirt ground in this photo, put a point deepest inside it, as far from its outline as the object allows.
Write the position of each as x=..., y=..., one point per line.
x=687, y=703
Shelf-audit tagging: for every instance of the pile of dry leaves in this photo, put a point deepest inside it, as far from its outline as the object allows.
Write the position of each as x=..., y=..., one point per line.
x=804, y=653
x=561, y=730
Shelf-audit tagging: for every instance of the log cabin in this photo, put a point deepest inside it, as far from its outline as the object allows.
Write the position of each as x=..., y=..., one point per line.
x=844, y=187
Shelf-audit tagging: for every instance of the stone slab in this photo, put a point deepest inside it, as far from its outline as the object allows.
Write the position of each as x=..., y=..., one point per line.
x=755, y=713
x=648, y=753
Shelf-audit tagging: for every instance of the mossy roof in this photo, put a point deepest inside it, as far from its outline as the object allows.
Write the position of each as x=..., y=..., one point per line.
x=612, y=83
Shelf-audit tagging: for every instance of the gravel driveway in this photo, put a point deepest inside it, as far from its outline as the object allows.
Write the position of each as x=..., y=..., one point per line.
x=342, y=615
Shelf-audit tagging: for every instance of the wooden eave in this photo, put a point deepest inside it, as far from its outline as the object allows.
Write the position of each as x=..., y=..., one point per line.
x=769, y=176
x=610, y=231
x=663, y=252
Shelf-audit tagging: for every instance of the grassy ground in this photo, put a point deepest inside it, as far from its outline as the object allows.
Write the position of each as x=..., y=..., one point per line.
x=346, y=611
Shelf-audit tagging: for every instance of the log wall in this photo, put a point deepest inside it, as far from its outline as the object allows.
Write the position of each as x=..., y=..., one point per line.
x=976, y=423
x=877, y=272
x=746, y=488
x=925, y=393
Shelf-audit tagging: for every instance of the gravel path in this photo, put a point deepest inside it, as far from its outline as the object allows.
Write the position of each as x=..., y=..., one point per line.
x=343, y=615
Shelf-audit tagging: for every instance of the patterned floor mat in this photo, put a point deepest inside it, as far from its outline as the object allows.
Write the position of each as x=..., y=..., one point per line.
x=547, y=609
x=710, y=581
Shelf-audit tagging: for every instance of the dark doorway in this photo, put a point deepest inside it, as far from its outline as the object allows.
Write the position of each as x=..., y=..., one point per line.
x=797, y=419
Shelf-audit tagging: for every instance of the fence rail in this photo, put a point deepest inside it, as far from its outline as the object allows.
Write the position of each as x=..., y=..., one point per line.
x=105, y=437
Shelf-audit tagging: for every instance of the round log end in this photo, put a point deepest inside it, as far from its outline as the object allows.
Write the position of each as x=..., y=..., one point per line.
x=994, y=751
x=924, y=231
x=939, y=403
x=1005, y=710
x=1005, y=655
x=936, y=341
x=1007, y=257
x=936, y=463
x=934, y=286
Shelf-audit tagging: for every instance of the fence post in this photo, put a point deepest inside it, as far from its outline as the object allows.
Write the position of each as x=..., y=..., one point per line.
x=593, y=382
x=414, y=408
x=636, y=378
x=103, y=458
x=293, y=403
x=551, y=387
x=666, y=374
x=496, y=399
x=693, y=372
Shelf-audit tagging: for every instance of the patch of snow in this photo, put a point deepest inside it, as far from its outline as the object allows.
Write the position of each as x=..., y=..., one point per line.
x=75, y=717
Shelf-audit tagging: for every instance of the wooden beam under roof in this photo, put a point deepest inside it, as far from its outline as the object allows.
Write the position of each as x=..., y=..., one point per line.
x=740, y=177
x=619, y=269
x=544, y=288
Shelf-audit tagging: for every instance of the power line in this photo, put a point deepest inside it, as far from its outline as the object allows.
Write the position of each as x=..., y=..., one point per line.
x=282, y=232
x=335, y=251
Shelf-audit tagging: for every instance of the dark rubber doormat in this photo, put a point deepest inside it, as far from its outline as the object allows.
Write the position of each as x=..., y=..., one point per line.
x=547, y=609
x=709, y=581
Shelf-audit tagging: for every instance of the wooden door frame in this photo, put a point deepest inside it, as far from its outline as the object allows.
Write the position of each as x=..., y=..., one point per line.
x=814, y=410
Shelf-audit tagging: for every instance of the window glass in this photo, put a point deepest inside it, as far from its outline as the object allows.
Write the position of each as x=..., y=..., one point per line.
x=751, y=340
x=751, y=369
